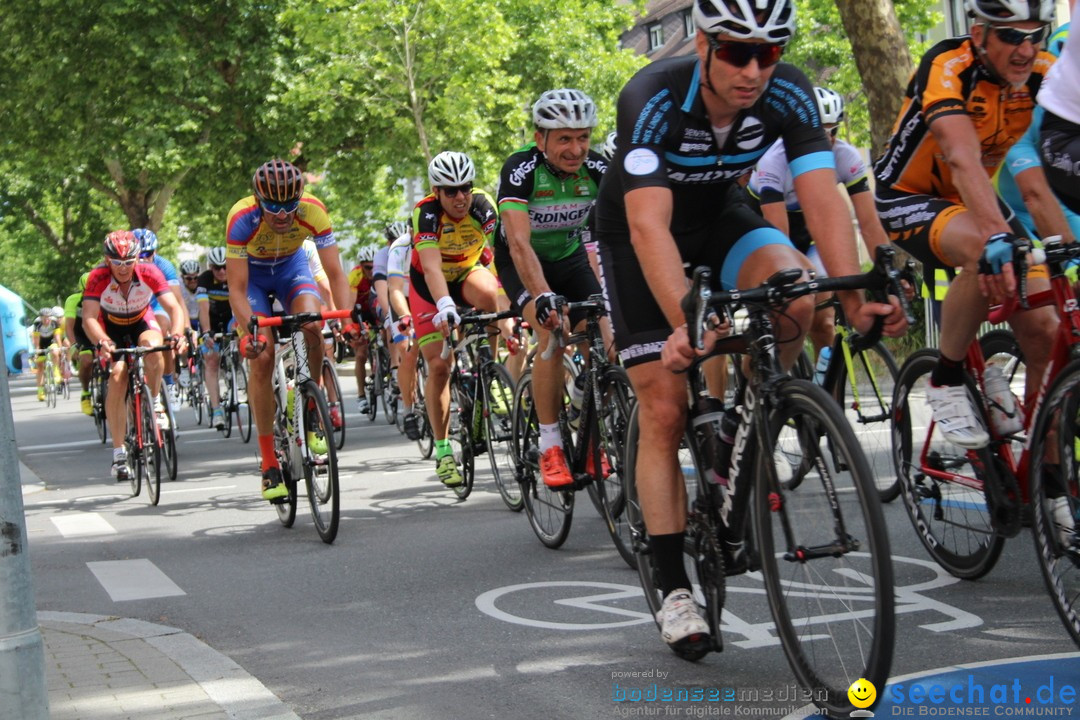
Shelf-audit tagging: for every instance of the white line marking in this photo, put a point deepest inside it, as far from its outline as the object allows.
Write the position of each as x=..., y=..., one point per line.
x=198, y=489
x=81, y=524
x=57, y=446
x=133, y=580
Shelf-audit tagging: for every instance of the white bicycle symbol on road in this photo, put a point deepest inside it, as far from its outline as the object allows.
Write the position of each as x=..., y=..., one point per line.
x=910, y=599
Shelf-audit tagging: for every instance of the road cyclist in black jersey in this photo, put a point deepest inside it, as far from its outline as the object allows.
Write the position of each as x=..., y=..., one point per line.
x=545, y=194
x=688, y=128
x=215, y=317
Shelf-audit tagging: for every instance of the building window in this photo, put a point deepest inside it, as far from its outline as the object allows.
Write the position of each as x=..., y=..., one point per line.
x=688, y=23
x=656, y=37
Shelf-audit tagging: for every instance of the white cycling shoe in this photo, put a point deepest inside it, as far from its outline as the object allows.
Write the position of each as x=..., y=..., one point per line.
x=956, y=416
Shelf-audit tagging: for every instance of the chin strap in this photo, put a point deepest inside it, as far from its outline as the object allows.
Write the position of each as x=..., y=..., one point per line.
x=984, y=61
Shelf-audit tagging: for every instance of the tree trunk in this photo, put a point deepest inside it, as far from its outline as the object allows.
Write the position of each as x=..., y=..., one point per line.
x=883, y=60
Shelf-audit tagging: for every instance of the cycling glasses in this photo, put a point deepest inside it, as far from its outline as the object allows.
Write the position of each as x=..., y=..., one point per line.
x=454, y=190
x=122, y=263
x=1016, y=36
x=831, y=131
x=740, y=54
x=190, y=277
x=215, y=268
x=276, y=208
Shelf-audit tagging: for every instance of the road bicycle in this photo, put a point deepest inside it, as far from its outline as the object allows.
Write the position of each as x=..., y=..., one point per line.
x=168, y=436
x=143, y=440
x=64, y=386
x=426, y=439
x=379, y=387
x=965, y=503
x=482, y=395
x=48, y=376
x=233, y=383
x=594, y=447
x=195, y=393
x=301, y=417
x=821, y=546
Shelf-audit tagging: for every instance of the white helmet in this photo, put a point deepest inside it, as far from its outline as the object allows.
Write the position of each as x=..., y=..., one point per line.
x=57, y=311
x=366, y=254
x=216, y=256
x=830, y=105
x=450, y=169
x=565, y=108
x=608, y=150
x=769, y=20
x=1011, y=10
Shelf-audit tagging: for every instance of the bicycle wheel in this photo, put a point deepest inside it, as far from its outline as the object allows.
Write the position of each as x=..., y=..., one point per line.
x=549, y=511
x=168, y=438
x=390, y=400
x=151, y=446
x=226, y=396
x=243, y=408
x=136, y=461
x=1055, y=495
x=866, y=394
x=824, y=552
x=498, y=411
x=99, y=386
x=613, y=417
x=942, y=484
x=333, y=387
x=286, y=452
x=320, y=470
x=195, y=394
x=426, y=441
x=464, y=436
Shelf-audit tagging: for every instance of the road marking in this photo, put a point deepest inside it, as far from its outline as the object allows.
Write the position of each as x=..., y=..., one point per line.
x=133, y=580
x=198, y=489
x=57, y=446
x=80, y=524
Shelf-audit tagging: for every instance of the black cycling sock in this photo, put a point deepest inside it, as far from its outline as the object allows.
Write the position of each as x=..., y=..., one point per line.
x=668, y=555
x=947, y=372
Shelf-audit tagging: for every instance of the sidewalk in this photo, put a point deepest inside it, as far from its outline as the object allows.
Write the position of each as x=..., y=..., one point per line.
x=111, y=668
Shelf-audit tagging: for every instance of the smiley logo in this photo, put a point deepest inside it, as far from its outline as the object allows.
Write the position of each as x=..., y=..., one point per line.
x=862, y=693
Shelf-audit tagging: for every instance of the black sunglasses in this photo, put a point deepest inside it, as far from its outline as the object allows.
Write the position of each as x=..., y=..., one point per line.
x=452, y=191
x=1016, y=36
x=740, y=54
x=190, y=277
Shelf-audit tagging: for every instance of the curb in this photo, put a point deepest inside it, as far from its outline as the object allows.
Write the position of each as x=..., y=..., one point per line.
x=239, y=694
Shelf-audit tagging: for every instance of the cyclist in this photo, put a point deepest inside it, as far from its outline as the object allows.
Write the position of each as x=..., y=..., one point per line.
x=1060, y=132
x=545, y=193
x=1021, y=181
x=47, y=332
x=360, y=278
x=689, y=127
x=772, y=191
x=451, y=228
x=117, y=313
x=215, y=316
x=968, y=102
x=73, y=328
x=149, y=254
x=265, y=233
x=189, y=276
x=397, y=282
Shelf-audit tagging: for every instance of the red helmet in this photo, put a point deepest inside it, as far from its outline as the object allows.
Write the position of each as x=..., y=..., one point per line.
x=278, y=181
x=122, y=245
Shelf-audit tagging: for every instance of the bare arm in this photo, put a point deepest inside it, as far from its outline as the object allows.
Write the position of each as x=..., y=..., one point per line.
x=396, y=293
x=873, y=234
x=776, y=214
x=185, y=323
x=91, y=324
x=236, y=272
x=431, y=262
x=960, y=145
x=1043, y=205
x=339, y=281
x=383, y=293
x=518, y=235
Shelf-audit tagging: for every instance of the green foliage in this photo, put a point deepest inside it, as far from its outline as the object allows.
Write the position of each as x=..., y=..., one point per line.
x=822, y=50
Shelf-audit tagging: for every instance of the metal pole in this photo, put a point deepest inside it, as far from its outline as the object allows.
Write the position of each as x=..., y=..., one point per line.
x=23, y=692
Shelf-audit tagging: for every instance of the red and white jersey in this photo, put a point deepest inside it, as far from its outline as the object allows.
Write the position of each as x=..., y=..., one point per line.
x=147, y=282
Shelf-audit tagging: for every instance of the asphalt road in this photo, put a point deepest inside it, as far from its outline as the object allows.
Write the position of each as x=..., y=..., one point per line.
x=429, y=607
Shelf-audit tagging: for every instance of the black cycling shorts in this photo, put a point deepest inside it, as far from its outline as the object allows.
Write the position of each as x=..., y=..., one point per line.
x=572, y=277
x=723, y=243
x=1059, y=145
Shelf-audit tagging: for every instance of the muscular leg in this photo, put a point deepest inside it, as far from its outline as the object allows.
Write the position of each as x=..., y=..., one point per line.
x=437, y=389
x=115, y=402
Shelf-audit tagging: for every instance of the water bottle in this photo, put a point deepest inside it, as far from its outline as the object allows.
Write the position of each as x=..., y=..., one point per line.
x=290, y=402
x=822, y=364
x=729, y=424
x=577, y=392
x=706, y=416
x=1005, y=413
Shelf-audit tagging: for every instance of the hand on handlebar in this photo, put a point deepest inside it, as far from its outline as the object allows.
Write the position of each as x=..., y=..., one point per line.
x=251, y=345
x=997, y=277
x=678, y=352
x=446, y=316
x=106, y=348
x=862, y=316
x=178, y=342
x=549, y=310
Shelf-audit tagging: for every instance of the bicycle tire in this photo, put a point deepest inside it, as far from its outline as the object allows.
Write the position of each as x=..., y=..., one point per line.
x=99, y=385
x=243, y=405
x=225, y=395
x=426, y=441
x=151, y=447
x=390, y=403
x=195, y=397
x=550, y=512
x=50, y=384
x=824, y=551
x=1056, y=548
x=462, y=439
x=952, y=521
x=283, y=448
x=168, y=438
x=320, y=472
x=498, y=430
x=136, y=462
x=330, y=380
x=612, y=420
x=869, y=410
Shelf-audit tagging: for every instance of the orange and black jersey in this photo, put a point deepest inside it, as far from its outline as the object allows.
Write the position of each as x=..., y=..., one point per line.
x=951, y=80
